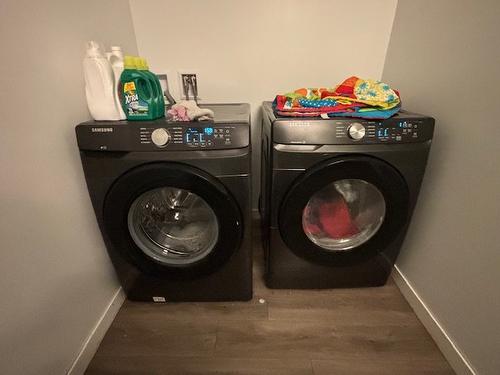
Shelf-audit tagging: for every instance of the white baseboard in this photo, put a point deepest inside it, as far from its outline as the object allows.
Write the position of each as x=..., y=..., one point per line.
x=95, y=337
x=449, y=349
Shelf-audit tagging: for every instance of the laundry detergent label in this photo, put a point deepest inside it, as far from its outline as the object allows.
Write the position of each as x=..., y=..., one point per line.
x=134, y=105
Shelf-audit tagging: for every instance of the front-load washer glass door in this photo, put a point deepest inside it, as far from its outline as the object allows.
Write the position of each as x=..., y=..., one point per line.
x=173, y=225
x=172, y=220
x=344, y=210
x=344, y=214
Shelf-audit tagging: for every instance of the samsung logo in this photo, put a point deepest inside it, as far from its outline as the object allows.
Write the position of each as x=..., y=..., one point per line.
x=102, y=130
x=298, y=123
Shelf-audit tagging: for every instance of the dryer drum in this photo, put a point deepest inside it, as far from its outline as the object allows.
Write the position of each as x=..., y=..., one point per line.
x=344, y=214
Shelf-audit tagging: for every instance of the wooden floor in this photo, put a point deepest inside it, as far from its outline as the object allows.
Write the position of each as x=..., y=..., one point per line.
x=347, y=331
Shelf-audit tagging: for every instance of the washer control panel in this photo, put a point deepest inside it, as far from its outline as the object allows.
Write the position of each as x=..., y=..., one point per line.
x=162, y=135
x=192, y=136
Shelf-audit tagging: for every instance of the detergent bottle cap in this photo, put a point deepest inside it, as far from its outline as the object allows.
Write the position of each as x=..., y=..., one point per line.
x=138, y=63
x=93, y=49
x=129, y=62
x=116, y=51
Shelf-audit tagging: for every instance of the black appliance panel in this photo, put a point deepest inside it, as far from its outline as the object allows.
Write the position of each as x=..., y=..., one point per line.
x=161, y=136
x=394, y=130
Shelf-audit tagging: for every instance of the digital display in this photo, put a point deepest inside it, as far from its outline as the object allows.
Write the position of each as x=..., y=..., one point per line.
x=383, y=132
x=198, y=135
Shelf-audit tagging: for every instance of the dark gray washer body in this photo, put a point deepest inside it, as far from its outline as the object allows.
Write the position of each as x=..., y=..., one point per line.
x=228, y=165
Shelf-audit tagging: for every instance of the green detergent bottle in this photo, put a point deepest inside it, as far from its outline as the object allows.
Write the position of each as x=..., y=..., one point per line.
x=139, y=63
x=138, y=93
x=161, y=99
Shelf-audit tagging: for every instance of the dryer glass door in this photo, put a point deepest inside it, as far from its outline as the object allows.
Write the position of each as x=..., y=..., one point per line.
x=173, y=225
x=344, y=210
x=344, y=214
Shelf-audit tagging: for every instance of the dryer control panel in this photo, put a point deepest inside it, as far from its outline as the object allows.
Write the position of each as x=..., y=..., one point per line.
x=162, y=135
x=370, y=131
x=403, y=128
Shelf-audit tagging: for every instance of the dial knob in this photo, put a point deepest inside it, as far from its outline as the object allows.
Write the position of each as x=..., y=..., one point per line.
x=160, y=137
x=356, y=131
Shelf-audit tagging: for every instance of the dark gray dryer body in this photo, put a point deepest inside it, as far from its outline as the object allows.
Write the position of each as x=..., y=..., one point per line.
x=173, y=204
x=337, y=196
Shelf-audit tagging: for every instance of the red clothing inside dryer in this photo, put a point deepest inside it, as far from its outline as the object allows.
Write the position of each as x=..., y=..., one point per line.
x=334, y=219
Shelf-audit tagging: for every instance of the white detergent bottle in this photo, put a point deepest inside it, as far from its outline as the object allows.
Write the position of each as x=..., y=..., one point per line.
x=99, y=84
x=115, y=58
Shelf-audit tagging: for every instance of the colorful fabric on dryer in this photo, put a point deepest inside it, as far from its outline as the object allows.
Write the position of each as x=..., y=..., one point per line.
x=354, y=97
x=317, y=103
x=367, y=113
x=367, y=91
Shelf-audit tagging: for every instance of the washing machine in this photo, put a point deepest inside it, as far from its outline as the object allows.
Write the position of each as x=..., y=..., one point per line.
x=337, y=196
x=173, y=204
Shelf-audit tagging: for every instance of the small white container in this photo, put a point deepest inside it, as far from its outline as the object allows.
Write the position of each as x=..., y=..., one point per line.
x=99, y=84
x=115, y=58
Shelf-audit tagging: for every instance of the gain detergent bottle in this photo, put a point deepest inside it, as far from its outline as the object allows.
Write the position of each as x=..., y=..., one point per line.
x=138, y=93
x=161, y=99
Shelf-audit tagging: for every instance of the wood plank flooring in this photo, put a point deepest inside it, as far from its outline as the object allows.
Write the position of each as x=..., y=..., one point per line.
x=293, y=332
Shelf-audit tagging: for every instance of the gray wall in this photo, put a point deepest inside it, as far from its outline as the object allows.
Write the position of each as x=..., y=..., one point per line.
x=444, y=57
x=55, y=277
x=250, y=51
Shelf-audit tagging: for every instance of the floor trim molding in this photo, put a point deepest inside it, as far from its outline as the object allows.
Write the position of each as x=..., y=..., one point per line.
x=95, y=337
x=449, y=349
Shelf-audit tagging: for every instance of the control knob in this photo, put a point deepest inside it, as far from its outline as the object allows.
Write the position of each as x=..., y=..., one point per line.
x=160, y=137
x=356, y=131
